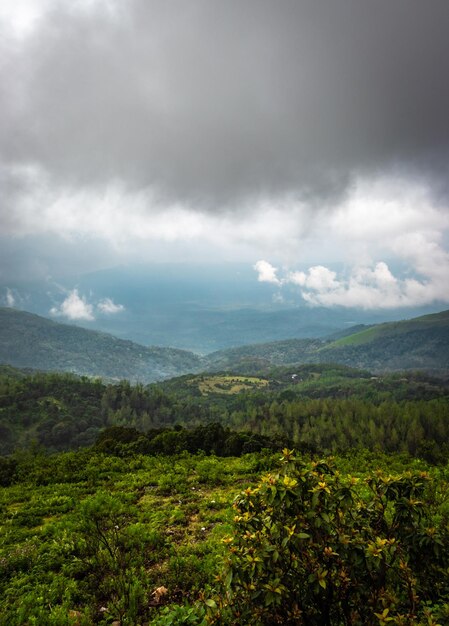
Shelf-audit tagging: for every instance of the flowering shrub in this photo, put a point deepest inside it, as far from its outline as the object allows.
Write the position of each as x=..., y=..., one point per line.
x=313, y=547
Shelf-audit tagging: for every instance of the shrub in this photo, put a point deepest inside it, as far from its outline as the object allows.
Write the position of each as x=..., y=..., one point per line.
x=312, y=548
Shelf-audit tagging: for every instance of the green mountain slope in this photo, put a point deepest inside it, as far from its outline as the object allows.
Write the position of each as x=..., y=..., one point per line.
x=256, y=356
x=28, y=340
x=62, y=411
x=436, y=321
x=420, y=343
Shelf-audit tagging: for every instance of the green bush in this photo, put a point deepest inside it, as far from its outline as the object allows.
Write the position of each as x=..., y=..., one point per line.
x=313, y=548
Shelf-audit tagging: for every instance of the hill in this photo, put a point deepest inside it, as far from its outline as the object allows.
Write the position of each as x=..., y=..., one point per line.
x=421, y=343
x=31, y=341
x=307, y=404
x=254, y=357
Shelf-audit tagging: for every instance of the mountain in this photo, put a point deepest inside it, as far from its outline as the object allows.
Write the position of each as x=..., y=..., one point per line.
x=421, y=343
x=31, y=341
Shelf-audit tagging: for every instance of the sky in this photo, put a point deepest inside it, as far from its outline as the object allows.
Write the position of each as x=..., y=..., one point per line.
x=298, y=136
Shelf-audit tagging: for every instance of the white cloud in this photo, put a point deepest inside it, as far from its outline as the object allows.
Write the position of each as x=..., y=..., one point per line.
x=387, y=218
x=127, y=218
x=74, y=307
x=317, y=278
x=20, y=17
x=10, y=299
x=375, y=287
x=267, y=273
x=109, y=307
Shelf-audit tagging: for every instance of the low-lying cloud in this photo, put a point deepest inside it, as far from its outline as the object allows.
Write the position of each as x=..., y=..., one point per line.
x=109, y=307
x=9, y=298
x=76, y=307
x=363, y=287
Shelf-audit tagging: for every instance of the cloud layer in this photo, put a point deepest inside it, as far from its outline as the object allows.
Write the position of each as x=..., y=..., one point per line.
x=299, y=132
x=379, y=221
x=211, y=103
x=365, y=287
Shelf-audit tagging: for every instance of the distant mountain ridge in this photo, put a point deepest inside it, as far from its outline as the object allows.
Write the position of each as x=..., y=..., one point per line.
x=31, y=341
x=421, y=343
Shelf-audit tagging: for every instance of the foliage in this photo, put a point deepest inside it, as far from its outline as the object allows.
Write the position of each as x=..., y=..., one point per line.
x=28, y=340
x=89, y=538
x=320, y=408
x=114, y=551
x=420, y=343
x=210, y=439
x=313, y=547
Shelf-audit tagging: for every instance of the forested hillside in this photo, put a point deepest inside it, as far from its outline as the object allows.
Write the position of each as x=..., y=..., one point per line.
x=28, y=340
x=418, y=344
x=315, y=407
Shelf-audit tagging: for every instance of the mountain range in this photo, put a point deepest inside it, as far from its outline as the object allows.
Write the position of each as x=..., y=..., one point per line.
x=30, y=341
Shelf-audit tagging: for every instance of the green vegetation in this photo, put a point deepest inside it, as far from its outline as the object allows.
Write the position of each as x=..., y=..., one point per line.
x=28, y=340
x=248, y=359
x=93, y=538
x=89, y=538
x=421, y=343
x=317, y=408
x=135, y=505
x=228, y=384
x=312, y=546
x=357, y=339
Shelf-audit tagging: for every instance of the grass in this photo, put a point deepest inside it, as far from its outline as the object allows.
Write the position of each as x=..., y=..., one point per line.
x=228, y=385
x=181, y=507
x=178, y=511
x=357, y=339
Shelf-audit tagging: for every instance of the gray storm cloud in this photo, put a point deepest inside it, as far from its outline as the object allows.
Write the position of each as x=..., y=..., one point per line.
x=214, y=103
x=300, y=131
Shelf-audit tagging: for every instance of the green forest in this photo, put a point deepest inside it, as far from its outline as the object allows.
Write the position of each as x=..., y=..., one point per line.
x=315, y=494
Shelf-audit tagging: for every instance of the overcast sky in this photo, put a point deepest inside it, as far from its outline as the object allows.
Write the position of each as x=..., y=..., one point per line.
x=289, y=134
